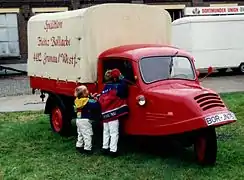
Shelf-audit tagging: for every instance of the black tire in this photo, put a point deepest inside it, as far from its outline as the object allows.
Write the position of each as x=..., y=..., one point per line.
x=241, y=68
x=222, y=70
x=205, y=146
x=59, y=111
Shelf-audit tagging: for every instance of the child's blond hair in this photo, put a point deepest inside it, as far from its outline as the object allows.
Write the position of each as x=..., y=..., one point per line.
x=79, y=91
x=107, y=76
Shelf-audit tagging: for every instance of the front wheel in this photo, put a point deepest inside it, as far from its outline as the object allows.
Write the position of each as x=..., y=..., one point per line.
x=205, y=146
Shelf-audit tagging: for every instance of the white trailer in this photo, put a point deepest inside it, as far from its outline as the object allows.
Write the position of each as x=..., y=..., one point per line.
x=215, y=41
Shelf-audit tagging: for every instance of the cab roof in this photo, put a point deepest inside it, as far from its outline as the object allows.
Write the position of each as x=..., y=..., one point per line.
x=138, y=51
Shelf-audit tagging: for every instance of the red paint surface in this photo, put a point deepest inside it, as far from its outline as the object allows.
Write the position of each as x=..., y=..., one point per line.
x=58, y=87
x=170, y=105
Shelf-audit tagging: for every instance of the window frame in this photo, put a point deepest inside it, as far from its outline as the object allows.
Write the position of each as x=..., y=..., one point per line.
x=142, y=77
x=104, y=60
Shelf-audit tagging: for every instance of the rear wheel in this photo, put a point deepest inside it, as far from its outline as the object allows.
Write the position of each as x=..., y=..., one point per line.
x=59, y=119
x=205, y=146
x=241, y=67
x=56, y=119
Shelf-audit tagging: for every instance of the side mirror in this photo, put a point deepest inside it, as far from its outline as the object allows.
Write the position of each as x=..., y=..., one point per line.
x=210, y=70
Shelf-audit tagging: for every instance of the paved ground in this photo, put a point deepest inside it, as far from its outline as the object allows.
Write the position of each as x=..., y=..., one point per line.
x=21, y=103
x=15, y=86
x=225, y=83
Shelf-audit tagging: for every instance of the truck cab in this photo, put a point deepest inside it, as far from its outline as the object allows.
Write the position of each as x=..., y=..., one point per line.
x=166, y=97
x=164, y=89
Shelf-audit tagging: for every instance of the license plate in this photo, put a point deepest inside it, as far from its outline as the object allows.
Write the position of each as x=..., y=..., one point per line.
x=221, y=117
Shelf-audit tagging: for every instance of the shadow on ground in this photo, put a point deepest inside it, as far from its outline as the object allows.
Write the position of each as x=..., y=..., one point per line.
x=151, y=146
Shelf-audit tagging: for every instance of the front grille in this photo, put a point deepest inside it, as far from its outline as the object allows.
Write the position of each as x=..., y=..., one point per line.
x=208, y=101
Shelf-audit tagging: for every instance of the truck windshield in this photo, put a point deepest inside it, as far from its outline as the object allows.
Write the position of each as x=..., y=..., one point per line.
x=166, y=67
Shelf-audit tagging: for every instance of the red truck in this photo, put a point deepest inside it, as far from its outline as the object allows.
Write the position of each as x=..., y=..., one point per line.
x=165, y=96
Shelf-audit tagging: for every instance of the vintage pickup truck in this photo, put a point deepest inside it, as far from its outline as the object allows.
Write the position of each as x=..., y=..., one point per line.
x=70, y=48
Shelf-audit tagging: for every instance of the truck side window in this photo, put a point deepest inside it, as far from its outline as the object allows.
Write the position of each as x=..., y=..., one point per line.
x=124, y=66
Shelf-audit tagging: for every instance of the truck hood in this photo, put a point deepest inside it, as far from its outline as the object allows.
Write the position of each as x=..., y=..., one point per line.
x=184, y=100
x=180, y=90
x=179, y=107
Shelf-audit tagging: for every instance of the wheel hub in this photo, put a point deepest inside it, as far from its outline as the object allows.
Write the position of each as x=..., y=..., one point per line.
x=57, y=119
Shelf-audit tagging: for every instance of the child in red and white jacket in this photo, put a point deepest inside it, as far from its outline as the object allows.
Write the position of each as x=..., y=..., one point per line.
x=113, y=106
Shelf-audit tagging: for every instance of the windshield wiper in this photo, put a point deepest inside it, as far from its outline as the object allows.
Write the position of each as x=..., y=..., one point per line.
x=170, y=66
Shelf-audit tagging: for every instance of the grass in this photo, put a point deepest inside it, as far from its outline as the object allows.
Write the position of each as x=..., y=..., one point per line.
x=29, y=150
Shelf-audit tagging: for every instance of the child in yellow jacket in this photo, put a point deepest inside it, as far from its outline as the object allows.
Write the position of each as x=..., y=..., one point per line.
x=86, y=109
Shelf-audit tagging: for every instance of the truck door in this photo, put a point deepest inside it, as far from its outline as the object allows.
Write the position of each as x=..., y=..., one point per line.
x=126, y=67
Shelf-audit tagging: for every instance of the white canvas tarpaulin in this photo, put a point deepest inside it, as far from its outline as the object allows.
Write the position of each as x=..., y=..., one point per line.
x=66, y=45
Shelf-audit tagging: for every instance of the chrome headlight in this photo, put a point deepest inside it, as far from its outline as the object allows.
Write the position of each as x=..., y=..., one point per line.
x=141, y=100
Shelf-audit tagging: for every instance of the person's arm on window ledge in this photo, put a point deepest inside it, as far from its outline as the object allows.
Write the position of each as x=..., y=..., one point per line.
x=122, y=89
